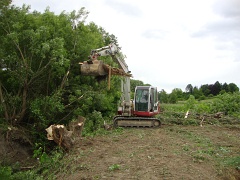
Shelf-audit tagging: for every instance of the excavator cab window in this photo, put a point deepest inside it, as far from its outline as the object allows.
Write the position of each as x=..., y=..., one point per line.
x=141, y=100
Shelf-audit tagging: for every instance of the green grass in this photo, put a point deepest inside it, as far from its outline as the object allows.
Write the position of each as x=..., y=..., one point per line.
x=114, y=167
x=232, y=161
x=202, y=149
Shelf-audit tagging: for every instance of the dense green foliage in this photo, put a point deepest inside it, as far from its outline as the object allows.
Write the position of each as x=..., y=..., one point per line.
x=226, y=103
x=40, y=80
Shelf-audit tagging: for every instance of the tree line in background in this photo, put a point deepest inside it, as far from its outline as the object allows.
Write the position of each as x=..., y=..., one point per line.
x=205, y=91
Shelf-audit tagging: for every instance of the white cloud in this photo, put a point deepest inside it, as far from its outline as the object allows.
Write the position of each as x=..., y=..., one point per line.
x=124, y=7
x=227, y=8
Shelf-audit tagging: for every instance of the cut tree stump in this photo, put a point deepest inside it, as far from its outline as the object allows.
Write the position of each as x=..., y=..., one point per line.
x=77, y=126
x=64, y=138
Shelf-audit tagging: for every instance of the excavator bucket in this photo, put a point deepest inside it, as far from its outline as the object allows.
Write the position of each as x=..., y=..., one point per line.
x=93, y=68
x=98, y=68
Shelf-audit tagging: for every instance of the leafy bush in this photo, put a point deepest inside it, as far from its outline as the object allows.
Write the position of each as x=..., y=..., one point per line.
x=46, y=108
x=44, y=170
x=44, y=111
x=5, y=172
x=190, y=103
x=173, y=108
x=93, y=122
x=228, y=104
x=202, y=98
x=190, y=121
x=202, y=107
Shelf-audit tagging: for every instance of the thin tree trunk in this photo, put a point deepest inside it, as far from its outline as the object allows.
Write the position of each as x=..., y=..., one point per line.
x=3, y=103
x=24, y=102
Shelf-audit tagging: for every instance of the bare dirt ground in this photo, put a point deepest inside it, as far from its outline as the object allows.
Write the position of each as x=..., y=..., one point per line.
x=170, y=152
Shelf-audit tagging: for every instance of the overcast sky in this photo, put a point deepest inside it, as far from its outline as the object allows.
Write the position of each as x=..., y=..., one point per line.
x=168, y=43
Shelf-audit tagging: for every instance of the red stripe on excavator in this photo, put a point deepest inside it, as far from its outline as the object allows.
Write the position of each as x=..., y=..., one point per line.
x=146, y=114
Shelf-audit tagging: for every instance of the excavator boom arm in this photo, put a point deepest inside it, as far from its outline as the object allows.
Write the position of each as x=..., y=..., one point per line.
x=128, y=116
x=113, y=51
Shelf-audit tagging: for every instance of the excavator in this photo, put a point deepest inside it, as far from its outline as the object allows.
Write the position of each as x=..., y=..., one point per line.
x=139, y=112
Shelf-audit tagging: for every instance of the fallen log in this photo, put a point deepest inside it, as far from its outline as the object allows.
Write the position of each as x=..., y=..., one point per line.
x=115, y=71
x=218, y=115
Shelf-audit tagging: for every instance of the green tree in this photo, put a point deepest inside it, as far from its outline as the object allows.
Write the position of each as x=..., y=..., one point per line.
x=178, y=92
x=205, y=89
x=4, y=4
x=163, y=96
x=197, y=93
x=39, y=56
x=216, y=88
x=227, y=103
x=33, y=50
x=135, y=83
x=189, y=88
x=233, y=87
x=225, y=87
x=191, y=102
x=173, y=97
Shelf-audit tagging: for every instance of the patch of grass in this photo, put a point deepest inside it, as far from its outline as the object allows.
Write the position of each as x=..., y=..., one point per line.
x=5, y=172
x=198, y=158
x=186, y=147
x=141, y=135
x=202, y=149
x=190, y=121
x=233, y=162
x=224, y=149
x=81, y=167
x=132, y=154
x=210, y=151
x=114, y=167
x=198, y=147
